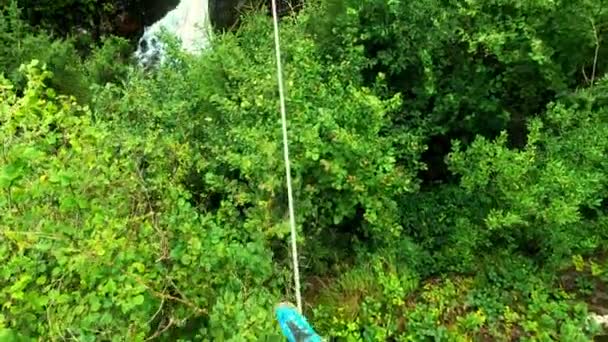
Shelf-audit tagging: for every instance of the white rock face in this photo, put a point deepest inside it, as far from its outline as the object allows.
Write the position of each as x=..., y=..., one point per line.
x=189, y=21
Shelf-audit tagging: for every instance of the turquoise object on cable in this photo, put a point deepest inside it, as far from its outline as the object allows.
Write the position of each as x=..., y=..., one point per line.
x=294, y=325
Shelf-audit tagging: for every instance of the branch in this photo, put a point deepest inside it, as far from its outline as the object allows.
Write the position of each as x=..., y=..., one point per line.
x=165, y=296
x=160, y=307
x=161, y=331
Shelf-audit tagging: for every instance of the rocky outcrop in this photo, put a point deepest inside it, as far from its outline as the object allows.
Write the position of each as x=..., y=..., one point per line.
x=133, y=15
x=224, y=13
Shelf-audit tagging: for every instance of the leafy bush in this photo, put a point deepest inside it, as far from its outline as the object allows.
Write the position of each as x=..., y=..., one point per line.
x=381, y=300
x=19, y=43
x=244, y=179
x=470, y=67
x=98, y=239
x=151, y=205
x=145, y=236
x=535, y=195
x=63, y=15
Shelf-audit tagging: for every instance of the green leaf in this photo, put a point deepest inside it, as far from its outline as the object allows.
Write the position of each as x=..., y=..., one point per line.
x=138, y=300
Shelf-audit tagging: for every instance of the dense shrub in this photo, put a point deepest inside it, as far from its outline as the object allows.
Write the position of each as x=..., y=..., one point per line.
x=151, y=205
x=230, y=95
x=535, y=196
x=383, y=300
x=98, y=239
x=471, y=67
x=20, y=43
x=515, y=213
x=94, y=18
x=135, y=190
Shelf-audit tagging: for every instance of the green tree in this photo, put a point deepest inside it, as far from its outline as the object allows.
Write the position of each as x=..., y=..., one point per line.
x=98, y=238
x=537, y=197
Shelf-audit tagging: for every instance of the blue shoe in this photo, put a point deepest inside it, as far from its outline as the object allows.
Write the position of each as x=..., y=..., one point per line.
x=294, y=325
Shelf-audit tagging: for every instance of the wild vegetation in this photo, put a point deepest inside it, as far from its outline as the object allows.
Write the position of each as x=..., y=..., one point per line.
x=449, y=161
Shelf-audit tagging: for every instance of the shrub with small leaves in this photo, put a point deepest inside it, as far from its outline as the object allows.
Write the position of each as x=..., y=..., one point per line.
x=98, y=239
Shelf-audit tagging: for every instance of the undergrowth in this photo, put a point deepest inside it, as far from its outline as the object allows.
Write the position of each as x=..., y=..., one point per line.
x=449, y=166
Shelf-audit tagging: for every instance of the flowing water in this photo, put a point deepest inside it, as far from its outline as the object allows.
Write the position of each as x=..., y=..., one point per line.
x=189, y=22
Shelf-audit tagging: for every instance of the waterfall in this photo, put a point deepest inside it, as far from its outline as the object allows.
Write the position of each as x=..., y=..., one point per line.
x=189, y=22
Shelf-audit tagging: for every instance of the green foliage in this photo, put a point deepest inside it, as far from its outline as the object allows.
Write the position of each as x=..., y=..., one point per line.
x=152, y=205
x=64, y=15
x=19, y=43
x=377, y=303
x=98, y=239
x=108, y=63
x=444, y=223
x=229, y=95
x=146, y=236
x=535, y=195
x=470, y=67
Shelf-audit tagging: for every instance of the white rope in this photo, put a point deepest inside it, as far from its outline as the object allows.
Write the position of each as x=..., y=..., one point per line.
x=292, y=220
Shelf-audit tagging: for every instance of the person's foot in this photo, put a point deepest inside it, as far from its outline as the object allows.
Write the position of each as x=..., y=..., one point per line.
x=294, y=325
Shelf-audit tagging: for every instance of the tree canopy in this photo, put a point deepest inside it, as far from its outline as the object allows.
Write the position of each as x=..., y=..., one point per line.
x=450, y=168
